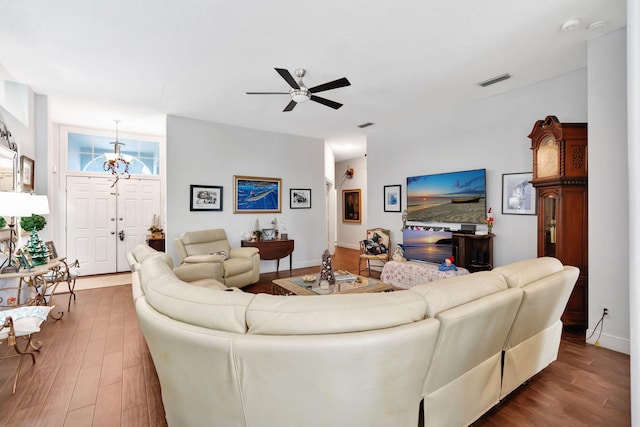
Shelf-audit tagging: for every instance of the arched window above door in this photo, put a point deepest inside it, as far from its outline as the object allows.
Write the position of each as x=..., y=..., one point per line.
x=86, y=153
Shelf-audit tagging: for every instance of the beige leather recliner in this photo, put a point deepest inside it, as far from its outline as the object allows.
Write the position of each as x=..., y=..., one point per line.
x=194, y=274
x=232, y=266
x=476, y=312
x=534, y=338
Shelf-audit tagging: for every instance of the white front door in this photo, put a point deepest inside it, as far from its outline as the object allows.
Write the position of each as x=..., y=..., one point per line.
x=138, y=202
x=104, y=223
x=91, y=224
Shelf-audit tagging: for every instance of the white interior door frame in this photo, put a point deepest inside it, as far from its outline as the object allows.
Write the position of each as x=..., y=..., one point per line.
x=330, y=214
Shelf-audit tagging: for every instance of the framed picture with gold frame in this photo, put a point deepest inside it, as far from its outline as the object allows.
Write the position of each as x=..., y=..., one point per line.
x=254, y=194
x=351, y=206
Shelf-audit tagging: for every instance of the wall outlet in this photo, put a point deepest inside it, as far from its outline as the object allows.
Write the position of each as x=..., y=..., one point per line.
x=604, y=307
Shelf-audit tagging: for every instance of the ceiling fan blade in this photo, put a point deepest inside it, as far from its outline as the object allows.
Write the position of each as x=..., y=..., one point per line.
x=288, y=77
x=267, y=93
x=327, y=102
x=290, y=106
x=331, y=85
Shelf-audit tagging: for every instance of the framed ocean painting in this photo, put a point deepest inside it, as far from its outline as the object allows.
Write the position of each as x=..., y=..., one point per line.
x=254, y=194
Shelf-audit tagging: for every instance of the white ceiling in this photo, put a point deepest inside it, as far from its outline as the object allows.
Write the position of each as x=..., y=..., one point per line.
x=138, y=60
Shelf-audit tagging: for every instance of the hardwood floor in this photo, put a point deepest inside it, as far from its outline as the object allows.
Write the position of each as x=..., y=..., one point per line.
x=95, y=370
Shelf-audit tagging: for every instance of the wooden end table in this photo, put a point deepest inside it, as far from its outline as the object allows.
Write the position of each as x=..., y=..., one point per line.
x=273, y=249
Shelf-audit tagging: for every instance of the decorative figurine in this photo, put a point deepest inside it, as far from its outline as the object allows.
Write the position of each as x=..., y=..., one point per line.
x=398, y=254
x=448, y=265
x=327, y=269
x=489, y=220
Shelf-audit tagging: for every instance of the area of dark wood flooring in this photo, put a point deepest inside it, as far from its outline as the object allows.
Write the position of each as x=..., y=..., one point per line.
x=94, y=369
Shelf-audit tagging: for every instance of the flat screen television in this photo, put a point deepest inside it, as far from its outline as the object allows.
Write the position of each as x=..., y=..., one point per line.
x=427, y=245
x=455, y=197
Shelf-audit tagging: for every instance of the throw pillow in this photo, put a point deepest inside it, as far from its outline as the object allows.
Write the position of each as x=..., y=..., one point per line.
x=374, y=248
x=222, y=254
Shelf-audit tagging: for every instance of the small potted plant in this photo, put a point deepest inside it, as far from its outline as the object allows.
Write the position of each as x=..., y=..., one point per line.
x=155, y=229
x=156, y=232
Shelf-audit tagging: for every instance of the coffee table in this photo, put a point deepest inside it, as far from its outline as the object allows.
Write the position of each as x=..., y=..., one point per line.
x=297, y=286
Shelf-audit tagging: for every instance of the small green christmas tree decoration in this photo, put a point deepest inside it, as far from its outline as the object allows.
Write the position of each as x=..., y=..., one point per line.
x=3, y=222
x=36, y=247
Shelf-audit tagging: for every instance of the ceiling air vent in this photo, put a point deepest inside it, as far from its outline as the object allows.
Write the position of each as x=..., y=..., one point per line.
x=365, y=125
x=494, y=80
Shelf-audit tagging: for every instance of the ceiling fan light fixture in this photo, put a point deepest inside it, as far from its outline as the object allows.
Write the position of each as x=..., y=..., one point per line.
x=300, y=95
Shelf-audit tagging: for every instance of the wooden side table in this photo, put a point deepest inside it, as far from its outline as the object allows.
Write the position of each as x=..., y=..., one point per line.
x=273, y=249
x=156, y=243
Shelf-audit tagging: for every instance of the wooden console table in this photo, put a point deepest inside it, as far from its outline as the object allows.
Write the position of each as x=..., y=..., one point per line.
x=273, y=249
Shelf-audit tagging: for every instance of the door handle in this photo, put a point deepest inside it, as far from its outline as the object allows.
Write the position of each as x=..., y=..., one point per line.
x=113, y=232
x=121, y=235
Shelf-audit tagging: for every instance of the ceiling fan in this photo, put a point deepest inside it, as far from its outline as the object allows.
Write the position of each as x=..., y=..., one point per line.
x=300, y=93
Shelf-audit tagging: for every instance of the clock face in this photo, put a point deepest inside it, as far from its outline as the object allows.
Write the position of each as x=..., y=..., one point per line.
x=548, y=157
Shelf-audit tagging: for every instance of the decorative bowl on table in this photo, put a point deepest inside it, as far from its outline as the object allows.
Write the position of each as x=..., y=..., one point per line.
x=309, y=278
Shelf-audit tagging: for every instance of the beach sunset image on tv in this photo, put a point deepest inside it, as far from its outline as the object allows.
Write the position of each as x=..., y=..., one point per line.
x=455, y=197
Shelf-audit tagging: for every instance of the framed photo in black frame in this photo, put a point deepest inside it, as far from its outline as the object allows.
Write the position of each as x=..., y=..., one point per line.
x=300, y=198
x=518, y=195
x=205, y=198
x=392, y=198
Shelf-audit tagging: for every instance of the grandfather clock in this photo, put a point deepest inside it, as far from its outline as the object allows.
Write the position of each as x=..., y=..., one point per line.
x=560, y=179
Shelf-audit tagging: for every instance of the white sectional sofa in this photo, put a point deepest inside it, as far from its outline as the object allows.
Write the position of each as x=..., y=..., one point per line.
x=229, y=358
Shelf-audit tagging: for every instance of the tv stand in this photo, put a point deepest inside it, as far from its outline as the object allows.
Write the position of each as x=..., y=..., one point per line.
x=472, y=251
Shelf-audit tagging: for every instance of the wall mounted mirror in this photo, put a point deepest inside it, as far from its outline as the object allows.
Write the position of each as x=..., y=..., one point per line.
x=8, y=173
x=8, y=160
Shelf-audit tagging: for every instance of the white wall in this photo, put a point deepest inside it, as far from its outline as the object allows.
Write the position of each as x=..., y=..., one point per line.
x=23, y=135
x=330, y=197
x=350, y=233
x=633, y=151
x=608, y=190
x=205, y=153
x=490, y=134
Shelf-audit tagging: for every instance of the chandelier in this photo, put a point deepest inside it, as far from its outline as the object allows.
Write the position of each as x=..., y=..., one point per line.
x=115, y=161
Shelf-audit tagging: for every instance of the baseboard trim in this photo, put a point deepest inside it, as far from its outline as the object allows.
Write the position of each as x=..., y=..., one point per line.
x=99, y=281
x=621, y=345
x=349, y=246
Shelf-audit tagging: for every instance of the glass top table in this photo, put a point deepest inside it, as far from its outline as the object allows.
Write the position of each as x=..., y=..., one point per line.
x=298, y=286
